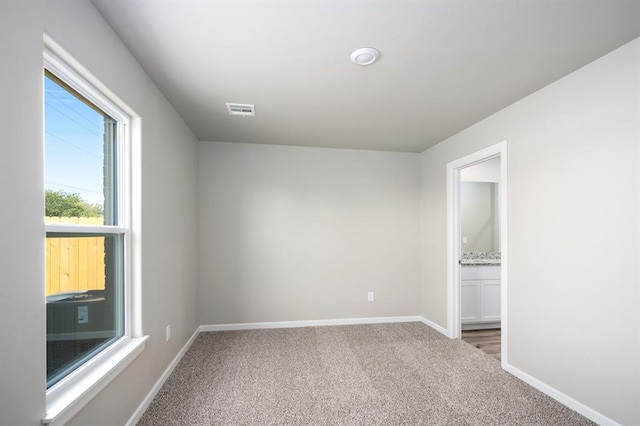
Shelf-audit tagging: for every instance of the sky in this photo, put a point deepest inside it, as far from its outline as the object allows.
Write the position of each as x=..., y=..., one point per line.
x=73, y=145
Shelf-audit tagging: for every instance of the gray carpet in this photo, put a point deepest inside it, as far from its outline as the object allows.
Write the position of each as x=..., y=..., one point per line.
x=378, y=374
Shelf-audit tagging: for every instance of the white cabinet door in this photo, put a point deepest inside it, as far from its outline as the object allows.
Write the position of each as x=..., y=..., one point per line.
x=480, y=294
x=490, y=296
x=470, y=308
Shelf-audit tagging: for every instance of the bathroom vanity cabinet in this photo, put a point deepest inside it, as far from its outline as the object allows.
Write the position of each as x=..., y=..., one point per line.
x=480, y=292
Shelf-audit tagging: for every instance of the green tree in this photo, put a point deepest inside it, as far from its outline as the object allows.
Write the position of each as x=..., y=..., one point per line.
x=64, y=204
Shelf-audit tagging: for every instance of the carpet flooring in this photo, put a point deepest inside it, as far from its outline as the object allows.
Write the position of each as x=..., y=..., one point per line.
x=375, y=374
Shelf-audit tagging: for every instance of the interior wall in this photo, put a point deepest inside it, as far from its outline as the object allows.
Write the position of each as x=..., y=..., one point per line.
x=22, y=308
x=292, y=233
x=168, y=209
x=574, y=313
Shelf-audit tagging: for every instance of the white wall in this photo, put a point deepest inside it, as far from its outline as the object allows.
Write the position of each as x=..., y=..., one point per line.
x=168, y=209
x=22, y=308
x=291, y=233
x=574, y=313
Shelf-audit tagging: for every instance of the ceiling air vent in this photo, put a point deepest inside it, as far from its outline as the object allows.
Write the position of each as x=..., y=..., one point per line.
x=241, y=109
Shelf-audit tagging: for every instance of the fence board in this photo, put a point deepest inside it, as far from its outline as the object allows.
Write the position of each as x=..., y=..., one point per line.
x=83, y=261
x=75, y=263
x=53, y=273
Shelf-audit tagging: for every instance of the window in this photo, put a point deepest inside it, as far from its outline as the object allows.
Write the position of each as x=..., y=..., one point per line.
x=85, y=226
x=93, y=314
x=89, y=311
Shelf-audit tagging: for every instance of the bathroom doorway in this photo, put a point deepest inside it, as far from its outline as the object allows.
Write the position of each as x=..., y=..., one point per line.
x=477, y=249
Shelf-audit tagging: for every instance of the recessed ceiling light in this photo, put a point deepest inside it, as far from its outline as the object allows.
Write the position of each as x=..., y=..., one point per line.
x=365, y=56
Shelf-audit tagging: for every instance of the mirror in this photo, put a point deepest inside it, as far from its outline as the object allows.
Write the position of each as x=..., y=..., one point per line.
x=479, y=201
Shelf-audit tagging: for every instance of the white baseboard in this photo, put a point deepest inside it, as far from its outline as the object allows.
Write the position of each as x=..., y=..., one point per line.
x=310, y=323
x=541, y=386
x=158, y=385
x=250, y=326
x=435, y=326
x=481, y=325
x=576, y=406
x=562, y=398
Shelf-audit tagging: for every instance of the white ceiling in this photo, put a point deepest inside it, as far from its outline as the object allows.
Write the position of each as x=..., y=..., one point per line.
x=444, y=65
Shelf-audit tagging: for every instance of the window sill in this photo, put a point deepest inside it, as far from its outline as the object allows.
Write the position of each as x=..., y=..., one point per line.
x=66, y=399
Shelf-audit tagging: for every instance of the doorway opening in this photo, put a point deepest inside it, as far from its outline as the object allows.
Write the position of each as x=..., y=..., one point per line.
x=477, y=258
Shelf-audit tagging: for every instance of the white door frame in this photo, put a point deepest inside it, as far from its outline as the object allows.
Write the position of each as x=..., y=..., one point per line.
x=454, y=236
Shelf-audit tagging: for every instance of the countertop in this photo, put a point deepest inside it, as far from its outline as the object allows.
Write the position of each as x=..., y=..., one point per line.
x=480, y=258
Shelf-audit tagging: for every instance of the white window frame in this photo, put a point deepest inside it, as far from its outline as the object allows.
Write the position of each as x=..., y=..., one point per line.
x=67, y=397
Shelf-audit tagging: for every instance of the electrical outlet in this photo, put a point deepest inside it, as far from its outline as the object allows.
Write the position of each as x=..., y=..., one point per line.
x=370, y=296
x=83, y=315
x=168, y=333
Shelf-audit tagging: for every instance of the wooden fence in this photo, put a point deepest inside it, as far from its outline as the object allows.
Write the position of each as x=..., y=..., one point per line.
x=74, y=263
